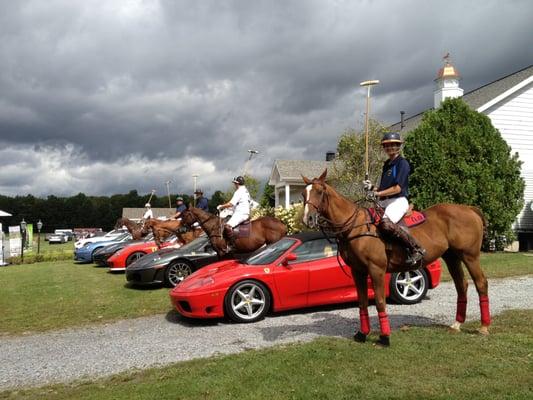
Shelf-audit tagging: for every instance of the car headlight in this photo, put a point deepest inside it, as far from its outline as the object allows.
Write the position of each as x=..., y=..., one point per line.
x=202, y=282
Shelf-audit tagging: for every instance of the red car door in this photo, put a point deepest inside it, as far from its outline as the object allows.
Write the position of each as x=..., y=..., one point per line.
x=328, y=282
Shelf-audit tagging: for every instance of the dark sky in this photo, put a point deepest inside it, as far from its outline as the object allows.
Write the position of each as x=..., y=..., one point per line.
x=102, y=97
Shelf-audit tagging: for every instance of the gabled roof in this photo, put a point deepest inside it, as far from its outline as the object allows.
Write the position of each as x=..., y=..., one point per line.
x=479, y=97
x=292, y=170
x=137, y=213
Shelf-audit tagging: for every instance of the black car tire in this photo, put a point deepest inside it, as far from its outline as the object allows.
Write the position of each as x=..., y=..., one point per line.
x=247, y=301
x=177, y=271
x=409, y=287
x=134, y=257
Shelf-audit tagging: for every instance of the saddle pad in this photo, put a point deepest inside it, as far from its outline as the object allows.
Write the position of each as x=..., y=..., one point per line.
x=413, y=219
x=243, y=230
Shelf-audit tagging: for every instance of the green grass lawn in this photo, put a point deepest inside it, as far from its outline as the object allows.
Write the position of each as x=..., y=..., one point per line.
x=422, y=363
x=58, y=294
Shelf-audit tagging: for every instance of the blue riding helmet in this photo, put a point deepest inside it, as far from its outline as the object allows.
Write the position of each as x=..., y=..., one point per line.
x=391, y=137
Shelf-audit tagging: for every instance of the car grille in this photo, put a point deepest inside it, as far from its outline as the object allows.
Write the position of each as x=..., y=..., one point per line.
x=185, y=306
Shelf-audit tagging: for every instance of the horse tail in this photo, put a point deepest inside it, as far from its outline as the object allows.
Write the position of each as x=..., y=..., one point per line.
x=484, y=220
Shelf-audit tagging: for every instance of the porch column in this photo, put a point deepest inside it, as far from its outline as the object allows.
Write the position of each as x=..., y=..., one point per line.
x=276, y=196
x=287, y=195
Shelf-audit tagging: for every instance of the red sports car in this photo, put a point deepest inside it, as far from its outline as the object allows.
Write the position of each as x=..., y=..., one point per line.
x=295, y=272
x=124, y=257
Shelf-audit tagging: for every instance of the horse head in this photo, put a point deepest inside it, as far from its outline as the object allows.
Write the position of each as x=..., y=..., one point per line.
x=188, y=217
x=120, y=223
x=314, y=196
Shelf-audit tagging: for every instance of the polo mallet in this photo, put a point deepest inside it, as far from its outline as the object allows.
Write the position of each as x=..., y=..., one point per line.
x=153, y=191
x=368, y=85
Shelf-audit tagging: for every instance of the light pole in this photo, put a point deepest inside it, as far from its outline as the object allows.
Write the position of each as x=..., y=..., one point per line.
x=39, y=227
x=194, y=177
x=368, y=85
x=22, y=239
x=168, y=193
x=252, y=152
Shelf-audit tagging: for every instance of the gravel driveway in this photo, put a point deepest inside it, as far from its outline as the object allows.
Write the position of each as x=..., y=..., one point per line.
x=96, y=351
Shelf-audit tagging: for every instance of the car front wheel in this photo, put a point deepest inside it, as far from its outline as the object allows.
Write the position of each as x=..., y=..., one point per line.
x=409, y=287
x=247, y=301
x=176, y=272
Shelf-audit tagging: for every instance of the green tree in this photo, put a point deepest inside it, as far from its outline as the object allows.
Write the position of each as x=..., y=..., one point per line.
x=268, y=199
x=458, y=156
x=349, y=169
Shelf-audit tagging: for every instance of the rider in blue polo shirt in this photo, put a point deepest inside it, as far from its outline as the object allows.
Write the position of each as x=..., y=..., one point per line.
x=393, y=192
x=201, y=201
x=180, y=207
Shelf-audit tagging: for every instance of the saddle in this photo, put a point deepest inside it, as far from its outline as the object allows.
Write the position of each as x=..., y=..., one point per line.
x=244, y=229
x=410, y=219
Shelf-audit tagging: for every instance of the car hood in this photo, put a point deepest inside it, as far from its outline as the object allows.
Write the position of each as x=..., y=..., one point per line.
x=165, y=256
x=218, y=268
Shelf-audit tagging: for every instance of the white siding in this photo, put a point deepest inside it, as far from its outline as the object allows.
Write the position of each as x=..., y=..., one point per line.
x=513, y=117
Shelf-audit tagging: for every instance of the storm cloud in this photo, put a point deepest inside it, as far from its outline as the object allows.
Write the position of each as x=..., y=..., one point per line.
x=104, y=97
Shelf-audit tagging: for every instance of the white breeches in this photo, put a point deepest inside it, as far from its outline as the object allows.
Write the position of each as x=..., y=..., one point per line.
x=236, y=219
x=395, y=208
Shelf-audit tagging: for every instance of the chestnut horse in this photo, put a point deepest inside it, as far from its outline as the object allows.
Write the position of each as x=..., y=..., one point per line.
x=163, y=229
x=264, y=230
x=451, y=231
x=138, y=231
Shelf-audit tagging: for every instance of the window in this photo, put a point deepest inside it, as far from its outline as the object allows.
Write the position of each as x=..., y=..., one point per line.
x=315, y=250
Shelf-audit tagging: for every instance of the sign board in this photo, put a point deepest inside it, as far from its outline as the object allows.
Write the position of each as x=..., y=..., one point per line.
x=15, y=243
x=2, y=260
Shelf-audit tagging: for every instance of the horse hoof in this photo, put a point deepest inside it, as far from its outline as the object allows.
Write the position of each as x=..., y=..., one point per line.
x=383, y=341
x=484, y=330
x=455, y=327
x=359, y=337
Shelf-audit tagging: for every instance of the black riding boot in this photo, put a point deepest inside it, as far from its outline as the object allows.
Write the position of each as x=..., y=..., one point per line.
x=230, y=239
x=415, y=251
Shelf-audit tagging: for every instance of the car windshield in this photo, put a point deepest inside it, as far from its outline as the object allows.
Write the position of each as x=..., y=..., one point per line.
x=270, y=253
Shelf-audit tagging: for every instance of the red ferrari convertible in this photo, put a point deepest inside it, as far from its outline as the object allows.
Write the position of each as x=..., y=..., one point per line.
x=296, y=272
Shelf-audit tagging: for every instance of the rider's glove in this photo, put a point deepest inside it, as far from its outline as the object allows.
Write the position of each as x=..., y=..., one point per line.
x=219, y=207
x=367, y=185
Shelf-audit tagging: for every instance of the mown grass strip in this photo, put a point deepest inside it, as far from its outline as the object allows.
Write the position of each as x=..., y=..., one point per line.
x=423, y=363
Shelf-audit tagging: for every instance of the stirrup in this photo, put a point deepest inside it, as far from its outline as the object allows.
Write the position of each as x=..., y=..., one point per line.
x=415, y=258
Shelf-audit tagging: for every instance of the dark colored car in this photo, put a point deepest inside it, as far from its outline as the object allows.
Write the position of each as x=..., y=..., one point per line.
x=169, y=265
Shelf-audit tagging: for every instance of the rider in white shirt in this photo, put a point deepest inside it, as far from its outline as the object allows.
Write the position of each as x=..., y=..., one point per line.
x=241, y=207
x=148, y=213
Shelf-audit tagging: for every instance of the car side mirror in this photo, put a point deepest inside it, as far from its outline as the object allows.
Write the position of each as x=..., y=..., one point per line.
x=290, y=257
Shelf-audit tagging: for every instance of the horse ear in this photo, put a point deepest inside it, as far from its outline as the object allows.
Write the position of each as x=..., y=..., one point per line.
x=322, y=177
x=306, y=180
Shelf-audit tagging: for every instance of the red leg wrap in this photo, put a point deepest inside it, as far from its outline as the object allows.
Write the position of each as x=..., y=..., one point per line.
x=365, y=321
x=461, y=309
x=384, y=323
x=485, y=311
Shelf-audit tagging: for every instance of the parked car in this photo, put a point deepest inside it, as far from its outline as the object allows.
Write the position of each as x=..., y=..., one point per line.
x=87, y=252
x=67, y=232
x=169, y=265
x=111, y=235
x=297, y=271
x=101, y=255
x=132, y=252
x=57, y=238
